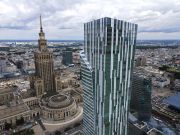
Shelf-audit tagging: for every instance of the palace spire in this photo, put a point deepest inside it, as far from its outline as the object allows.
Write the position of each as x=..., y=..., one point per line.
x=41, y=29
x=42, y=41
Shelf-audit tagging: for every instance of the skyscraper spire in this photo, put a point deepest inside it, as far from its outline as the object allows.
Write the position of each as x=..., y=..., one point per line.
x=41, y=29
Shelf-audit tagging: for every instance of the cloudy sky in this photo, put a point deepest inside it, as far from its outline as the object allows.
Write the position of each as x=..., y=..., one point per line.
x=63, y=19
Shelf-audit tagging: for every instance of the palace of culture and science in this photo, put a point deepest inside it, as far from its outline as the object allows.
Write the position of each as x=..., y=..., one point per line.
x=54, y=97
x=44, y=80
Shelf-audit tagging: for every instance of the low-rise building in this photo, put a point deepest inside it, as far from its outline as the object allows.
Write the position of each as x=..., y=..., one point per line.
x=12, y=113
x=2, y=64
x=160, y=81
x=154, y=131
x=76, y=58
x=136, y=127
x=31, y=101
x=6, y=94
x=177, y=84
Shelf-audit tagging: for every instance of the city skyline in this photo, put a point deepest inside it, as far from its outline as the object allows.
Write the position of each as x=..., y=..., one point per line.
x=57, y=88
x=64, y=19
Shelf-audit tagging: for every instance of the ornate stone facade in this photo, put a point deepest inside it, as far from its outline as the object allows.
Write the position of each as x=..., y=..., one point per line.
x=13, y=113
x=58, y=107
x=6, y=94
x=44, y=79
x=58, y=84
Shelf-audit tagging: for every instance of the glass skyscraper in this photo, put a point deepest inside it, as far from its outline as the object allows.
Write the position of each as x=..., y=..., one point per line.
x=67, y=56
x=107, y=64
x=88, y=97
x=141, y=96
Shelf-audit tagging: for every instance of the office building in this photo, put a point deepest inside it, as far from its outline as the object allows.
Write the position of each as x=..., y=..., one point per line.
x=109, y=46
x=88, y=96
x=141, y=96
x=67, y=56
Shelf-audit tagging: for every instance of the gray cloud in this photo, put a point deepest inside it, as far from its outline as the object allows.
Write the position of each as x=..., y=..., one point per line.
x=170, y=30
x=65, y=18
x=15, y=27
x=66, y=28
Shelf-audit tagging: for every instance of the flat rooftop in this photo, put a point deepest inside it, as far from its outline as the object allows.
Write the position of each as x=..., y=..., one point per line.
x=174, y=101
x=133, y=120
x=12, y=110
x=30, y=99
x=140, y=125
x=154, y=131
x=4, y=90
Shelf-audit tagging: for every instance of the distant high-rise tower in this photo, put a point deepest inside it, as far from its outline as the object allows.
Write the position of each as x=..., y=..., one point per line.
x=141, y=96
x=44, y=79
x=67, y=56
x=107, y=63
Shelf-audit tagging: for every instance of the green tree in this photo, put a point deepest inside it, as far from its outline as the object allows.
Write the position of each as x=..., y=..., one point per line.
x=57, y=132
x=7, y=126
x=20, y=121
